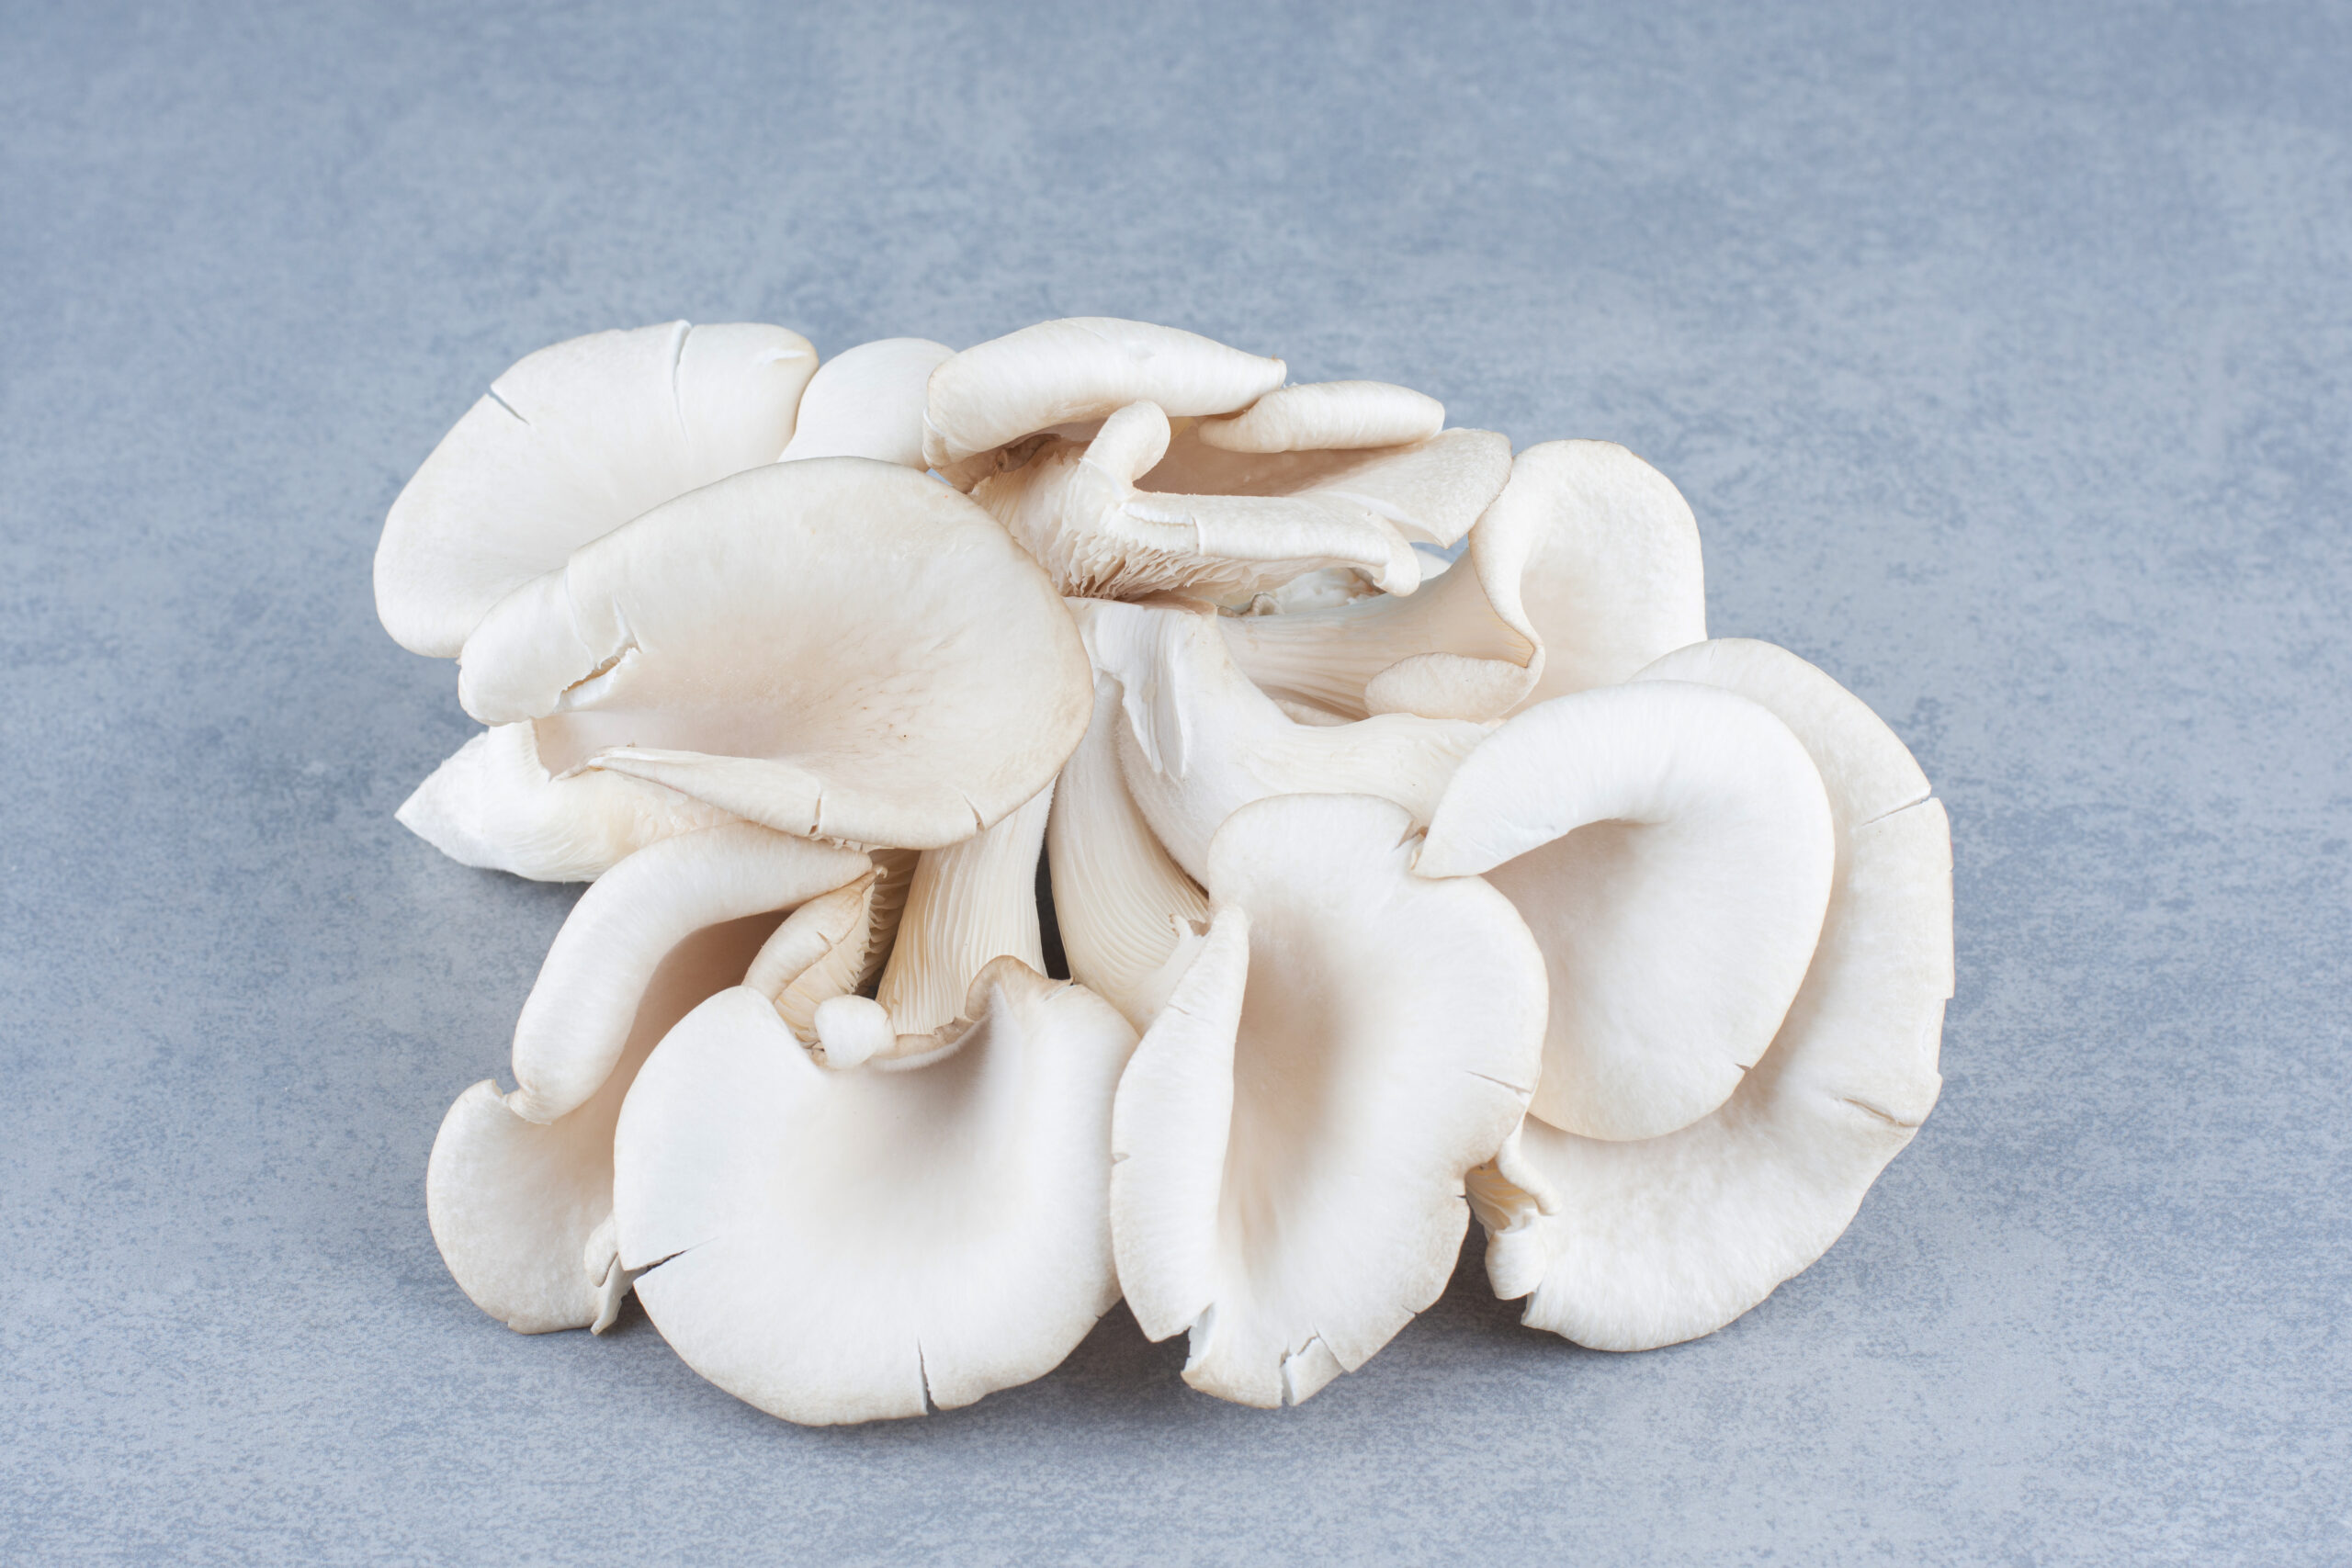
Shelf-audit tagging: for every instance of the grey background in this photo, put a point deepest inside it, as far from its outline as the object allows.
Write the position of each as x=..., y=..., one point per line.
x=2002, y=351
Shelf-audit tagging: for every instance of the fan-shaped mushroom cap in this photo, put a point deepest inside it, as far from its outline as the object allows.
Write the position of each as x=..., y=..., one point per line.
x=1670, y=845
x=1584, y=570
x=492, y=805
x=518, y=1184
x=1077, y=509
x=1628, y=1245
x=868, y=402
x=1117, y=896
x=1199, y=741
x=845, y=1245
x=1291, y=1139
x=569, y=444
x=838, y=648
x=1327, y=415
x=1072, y=372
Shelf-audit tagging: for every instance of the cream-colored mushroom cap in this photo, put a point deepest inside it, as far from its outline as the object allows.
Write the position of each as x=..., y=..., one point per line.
x=838, y=648
x=1585, y=568
x=518, y=1185
x=493, y=805
x=1201, y=742
x=1293, y=1134
x=868, y=402
x=1327, y=415
x=1627, y=1246
x=843, y=1245
x=569, y=444
x=1670, y=845
x=1076, y=371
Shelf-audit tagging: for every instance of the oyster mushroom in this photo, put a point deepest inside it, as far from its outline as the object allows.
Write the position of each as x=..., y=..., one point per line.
x=868, y=402
x=518, y=1190
x=1199, y=741
x=570, y=443
x=1670, y=845
x=1585, y=569
x=1626, y=1245
x=1071, y=373
x=838, y=648
x=1292, y=1137
x=848, y=1244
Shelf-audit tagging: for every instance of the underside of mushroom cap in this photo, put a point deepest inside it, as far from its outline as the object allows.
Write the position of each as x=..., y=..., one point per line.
x=1430, y=491
x=1199, y=741
x=1292, y=1137
x=1585, y=568
x=1670, y=846
x=837, y=648
x=836, y=1246
x=1077, y=509
x=868, y=402
x=572, y=442
x=1630, y=1246
x=518, y=1184
x=492, y=805
x=1073, y=372
x=1119, y=900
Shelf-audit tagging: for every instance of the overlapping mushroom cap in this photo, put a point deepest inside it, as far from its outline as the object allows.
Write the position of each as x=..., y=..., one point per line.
x=1634, y=1241
x=1348, y=1042
x=1412, y=852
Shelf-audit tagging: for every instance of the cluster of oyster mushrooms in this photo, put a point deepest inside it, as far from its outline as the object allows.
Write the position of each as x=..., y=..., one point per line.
x=1396, y=880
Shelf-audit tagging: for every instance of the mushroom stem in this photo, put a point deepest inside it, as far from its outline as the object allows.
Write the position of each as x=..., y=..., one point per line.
x=969, y=903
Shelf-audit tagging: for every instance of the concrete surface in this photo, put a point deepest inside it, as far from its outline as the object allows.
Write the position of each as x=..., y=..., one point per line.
x=2003, y=351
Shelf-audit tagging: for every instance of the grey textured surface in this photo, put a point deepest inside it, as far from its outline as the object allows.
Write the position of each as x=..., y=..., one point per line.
x=2004, y=352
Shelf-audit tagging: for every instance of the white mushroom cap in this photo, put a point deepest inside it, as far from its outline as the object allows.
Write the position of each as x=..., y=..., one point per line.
x=492, y=805
x=1118, y=897
x=848, y=1245
x=1327, y=415
x=838, y=648
x=1292, y=1137
x=1584, y=570
x=868, y=402
x=1199, y=741
x=1074, y=371
x=519, y=1184
x=1629, y=1246
x=569, y=444
x=1430, y=491
x=1670, y=845
x=1077, y=510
